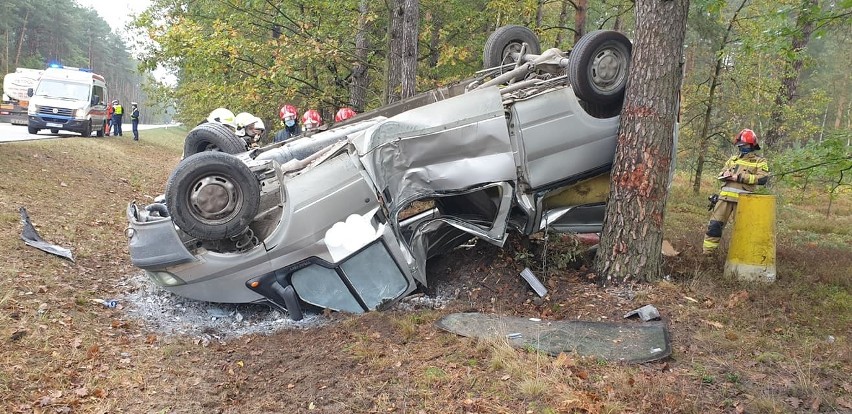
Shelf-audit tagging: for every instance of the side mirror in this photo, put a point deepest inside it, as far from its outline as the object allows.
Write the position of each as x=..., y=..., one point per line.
x=30, y=92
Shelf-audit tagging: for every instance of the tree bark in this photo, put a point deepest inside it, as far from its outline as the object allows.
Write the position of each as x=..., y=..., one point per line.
x=563, y=18
x=539, y=13
x=21, y=40
x=410, y=35
x=580, y=12
x=633, y=226
x=360, y=74
x=787, y=93
x=394, y=56
x=704, y=137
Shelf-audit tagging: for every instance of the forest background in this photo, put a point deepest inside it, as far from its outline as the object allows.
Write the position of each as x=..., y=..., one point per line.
x=778, y=67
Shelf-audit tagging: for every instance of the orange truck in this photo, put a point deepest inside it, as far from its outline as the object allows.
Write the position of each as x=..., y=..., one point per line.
x=13, y=108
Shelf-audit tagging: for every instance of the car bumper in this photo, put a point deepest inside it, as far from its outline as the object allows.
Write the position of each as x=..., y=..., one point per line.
x=43, y=122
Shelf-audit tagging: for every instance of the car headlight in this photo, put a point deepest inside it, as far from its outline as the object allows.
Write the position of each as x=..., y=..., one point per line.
x=80, y=113
x=164, y=278
x=32, y=110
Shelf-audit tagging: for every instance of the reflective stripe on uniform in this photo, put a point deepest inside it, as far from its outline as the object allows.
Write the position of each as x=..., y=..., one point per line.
x=732, y=192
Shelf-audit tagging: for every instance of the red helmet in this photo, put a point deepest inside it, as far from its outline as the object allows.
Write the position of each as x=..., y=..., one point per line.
x=288, y=110
x=747, y=136
x=311, y=119
x=344, y=114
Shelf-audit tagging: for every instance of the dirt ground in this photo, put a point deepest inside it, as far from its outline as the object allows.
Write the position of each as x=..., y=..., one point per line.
x=737, y=348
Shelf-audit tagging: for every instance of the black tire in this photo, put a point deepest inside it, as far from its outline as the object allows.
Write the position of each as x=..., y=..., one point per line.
x=505, y=40
x=598, y=67
x=32, y=130
x=212, y=136
x=87, y=130
x=212, y=195
x=100, y=131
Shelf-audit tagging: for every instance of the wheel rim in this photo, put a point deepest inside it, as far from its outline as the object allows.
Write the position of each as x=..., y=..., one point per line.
x=214, y=199
x=510, y=49
x=209, y=146
x=608, y=69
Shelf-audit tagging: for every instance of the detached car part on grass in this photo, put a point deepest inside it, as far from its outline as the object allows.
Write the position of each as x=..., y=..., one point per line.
x=346, y=219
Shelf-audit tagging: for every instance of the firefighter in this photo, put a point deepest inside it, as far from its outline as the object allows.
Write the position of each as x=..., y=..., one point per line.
x=344, y=114
x=222, y=116
x=742, y=174
x=311, y=121
x=118, y=112
x=247, y=128
x=290, y=118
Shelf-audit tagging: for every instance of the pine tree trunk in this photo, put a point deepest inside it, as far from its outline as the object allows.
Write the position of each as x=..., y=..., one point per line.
x=580, y=19
x=633, y=227
x=393, y=61
x=410, y=34
x=563, y=18
x=360, y=75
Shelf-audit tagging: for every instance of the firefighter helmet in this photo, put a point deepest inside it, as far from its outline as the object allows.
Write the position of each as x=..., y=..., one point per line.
x=311, y=119
x=242, y=121
x=222, y=116
x=344, y=114
x=747, y=137
x=288, y=111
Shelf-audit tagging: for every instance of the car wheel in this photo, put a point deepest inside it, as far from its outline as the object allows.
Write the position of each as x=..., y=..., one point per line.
x=598, y=67
x=54, y=131
x=100, y=131
x=87, y=130
x=32, y=130
x=212, y=136
x=212, y=195
x=505, y=41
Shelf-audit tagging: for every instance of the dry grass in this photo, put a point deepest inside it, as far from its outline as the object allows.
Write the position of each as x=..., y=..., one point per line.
x=777, y=348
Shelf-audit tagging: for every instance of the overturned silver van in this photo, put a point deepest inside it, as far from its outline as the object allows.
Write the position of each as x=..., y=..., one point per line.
x=347, y=218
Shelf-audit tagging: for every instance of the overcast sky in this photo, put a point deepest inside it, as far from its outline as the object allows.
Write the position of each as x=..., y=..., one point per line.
x=116, y=12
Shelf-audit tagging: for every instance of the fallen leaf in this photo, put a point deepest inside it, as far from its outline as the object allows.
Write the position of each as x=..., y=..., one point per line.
x=844, y=402
x=583, y=375
x=17, y=335
x=737, y=298
x=713, y=324
x=668, y=250
x=793, y=401
x=81, y=392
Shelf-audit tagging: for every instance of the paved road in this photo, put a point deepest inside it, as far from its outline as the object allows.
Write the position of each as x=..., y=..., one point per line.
x=12, y=133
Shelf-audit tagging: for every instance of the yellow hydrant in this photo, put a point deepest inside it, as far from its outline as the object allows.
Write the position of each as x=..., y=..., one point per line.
x=751, y=254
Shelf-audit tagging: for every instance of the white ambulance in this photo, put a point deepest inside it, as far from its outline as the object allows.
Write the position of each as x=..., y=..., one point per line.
x=68, y=99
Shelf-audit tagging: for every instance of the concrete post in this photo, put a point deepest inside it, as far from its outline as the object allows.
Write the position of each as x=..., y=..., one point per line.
x=751, y=254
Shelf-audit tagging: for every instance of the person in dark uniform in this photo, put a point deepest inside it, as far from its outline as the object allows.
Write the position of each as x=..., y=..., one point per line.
x=134, y=119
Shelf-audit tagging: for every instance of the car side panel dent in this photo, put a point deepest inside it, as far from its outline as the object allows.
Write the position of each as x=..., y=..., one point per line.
x=455, y=145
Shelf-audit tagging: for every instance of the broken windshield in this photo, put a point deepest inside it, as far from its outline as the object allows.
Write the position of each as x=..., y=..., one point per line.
x=63, y=90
